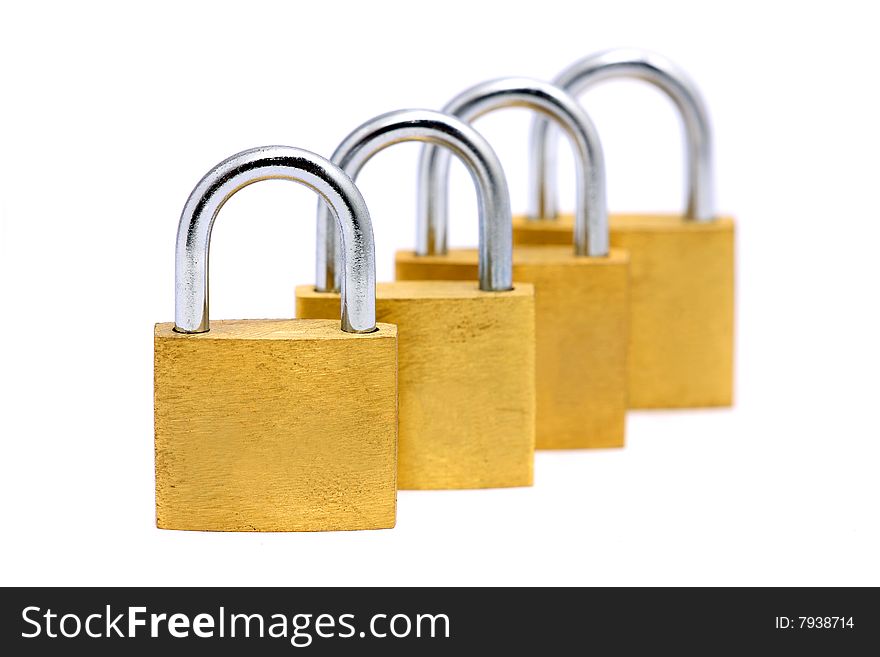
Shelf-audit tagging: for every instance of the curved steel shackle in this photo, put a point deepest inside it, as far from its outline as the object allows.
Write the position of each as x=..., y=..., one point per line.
x=591, y=221
x=264, y=163
x=642, y=65
x=455, y=137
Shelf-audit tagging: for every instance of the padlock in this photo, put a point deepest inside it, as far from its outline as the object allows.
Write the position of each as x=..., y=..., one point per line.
x=467, y=353
x=682, y=331
x=582, y=295
x=275, y=425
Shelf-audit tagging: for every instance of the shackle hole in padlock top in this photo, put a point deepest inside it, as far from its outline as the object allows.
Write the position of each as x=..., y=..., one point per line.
x=453, y=137
x=358, y=302
x=634, y=64
x=552, y=104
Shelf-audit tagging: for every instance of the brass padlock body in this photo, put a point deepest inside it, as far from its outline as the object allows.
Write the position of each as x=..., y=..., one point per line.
x=581, y=324
x=265, y=425
x=682, y=279
x=467, y=380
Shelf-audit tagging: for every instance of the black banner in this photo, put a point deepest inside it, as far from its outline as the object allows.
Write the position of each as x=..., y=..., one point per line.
x=108, y=621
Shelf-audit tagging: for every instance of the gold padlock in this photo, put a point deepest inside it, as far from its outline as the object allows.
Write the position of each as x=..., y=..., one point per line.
x=275, y=425
x=467, y=354
x=682, y=267
x=582, y=294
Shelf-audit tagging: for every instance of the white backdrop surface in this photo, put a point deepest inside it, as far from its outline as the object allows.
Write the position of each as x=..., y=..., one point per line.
x=109, y=115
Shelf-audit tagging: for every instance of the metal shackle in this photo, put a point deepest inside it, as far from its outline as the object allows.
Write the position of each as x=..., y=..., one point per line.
x=663, y=74
x=552, y=103
x=266, y=163
x=455, y=137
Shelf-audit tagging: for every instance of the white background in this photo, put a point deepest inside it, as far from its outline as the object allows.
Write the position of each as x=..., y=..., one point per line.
x=109, y=115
